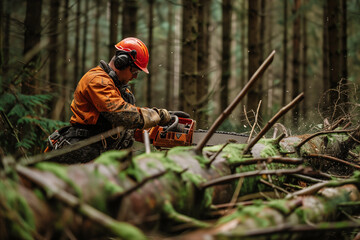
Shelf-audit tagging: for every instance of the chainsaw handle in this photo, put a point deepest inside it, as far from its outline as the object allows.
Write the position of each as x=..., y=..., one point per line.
x=173, y=126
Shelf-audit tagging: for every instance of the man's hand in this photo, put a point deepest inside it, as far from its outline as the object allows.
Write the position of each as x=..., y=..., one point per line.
x=151, y=117
x=164, y=116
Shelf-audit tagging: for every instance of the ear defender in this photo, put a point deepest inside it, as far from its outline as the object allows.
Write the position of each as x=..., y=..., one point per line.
x=123, y=59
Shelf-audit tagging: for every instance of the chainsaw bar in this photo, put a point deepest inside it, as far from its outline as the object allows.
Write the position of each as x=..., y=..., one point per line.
x=218, y=137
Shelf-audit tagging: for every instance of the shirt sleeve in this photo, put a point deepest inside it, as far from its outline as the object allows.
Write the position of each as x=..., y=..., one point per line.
x=108, y=101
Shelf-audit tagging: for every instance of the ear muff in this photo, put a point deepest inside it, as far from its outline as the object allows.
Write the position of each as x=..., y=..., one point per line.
x=123, y=59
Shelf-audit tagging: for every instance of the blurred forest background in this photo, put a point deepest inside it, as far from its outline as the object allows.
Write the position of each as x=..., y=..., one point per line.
x=202, y=52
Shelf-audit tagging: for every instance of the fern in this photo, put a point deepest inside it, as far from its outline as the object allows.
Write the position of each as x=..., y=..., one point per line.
x=24, y=126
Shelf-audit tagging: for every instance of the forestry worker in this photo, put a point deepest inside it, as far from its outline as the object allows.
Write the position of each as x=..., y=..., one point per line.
x=103, y=100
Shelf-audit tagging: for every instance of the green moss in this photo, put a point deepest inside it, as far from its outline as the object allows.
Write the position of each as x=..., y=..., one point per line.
x=60, y=171
x=17, y=211
x=244, y=213
x=112, y=188
x=112, y=158
x=280, y=205
x=270, y=149
x=39, y=194
x=126, y=231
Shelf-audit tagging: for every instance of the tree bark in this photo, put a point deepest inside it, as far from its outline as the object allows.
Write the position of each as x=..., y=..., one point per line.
x=99, y=8
x=128, y=26
x=150, y=47
x=53, y=56
x=285, y=57
x=32, y=39
x=77, y=45
x=189, y=58
x=333, y=9
x=5, y=38
x=226, y=56
x=203, y=63
x=169, y=85
x=129, y=18
x=304, y=62
x=343, y=59
x=114, y=15
x=84, y=38
x=296, y=60
x=254, y=95
x=139, y=191
x=64, y=67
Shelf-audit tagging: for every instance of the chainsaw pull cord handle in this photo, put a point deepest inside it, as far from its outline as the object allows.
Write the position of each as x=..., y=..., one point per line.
x=173, y=126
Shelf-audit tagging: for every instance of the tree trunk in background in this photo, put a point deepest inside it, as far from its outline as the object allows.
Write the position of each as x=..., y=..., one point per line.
x=262, y=31
x=343, y=59
x=304, y=61
x=189, y=58
x=53, y=56
x=265, y=90
x=269, y=74
x=150, y=48
x=77, y=44
x=6, y=39
x=285, y=57
x=334, y=54
x=254, y=95
x=225, y=57
x=169, y=84
x=129, y=20
x=84, y=39
x=32, y=39
x=296, y=60
x=243, y=15
x=114, y=15
x=98, y=6
x=203, y=62
x=325, y=52
x=64, y=68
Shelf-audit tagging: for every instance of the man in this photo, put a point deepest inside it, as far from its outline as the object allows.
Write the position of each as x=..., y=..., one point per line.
x=102, y=101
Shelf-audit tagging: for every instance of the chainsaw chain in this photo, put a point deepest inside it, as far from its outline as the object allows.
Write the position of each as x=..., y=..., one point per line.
x=223, y=132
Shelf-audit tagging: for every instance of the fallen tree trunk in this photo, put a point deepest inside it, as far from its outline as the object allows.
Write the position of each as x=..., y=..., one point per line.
x=151, y=191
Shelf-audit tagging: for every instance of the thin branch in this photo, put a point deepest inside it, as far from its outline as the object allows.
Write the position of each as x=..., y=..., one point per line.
x=137, y=186
x=307, y=178
x=234, y=103
x=255, y=122
x=49, y=155
x=302, y=228
x=321, y=133
x=333, y=159
x=216, y=154
x=274, y=186
x=230, y=178
x=316, y=187
x=270, y=160
x=272, y=121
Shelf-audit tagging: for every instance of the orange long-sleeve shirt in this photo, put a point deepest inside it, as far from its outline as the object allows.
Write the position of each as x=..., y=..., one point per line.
x=96, y=93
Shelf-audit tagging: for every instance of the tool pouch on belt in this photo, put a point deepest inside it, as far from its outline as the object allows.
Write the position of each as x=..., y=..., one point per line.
x=125, y=140
x=62, y=137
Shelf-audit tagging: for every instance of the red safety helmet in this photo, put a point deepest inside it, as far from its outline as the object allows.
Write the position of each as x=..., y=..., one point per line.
x=142, y=54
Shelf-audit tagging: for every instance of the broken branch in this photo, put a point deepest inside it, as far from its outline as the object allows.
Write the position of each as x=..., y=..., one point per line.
x=272, y=121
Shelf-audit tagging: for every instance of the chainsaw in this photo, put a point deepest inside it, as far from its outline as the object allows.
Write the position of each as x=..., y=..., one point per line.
x=181, y=132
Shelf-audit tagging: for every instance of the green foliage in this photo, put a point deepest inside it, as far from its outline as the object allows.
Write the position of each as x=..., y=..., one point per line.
x=16, y=213
x=23, y=121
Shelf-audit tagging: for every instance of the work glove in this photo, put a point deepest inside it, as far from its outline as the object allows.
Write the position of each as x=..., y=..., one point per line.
x=151, y=117
x=164, y=116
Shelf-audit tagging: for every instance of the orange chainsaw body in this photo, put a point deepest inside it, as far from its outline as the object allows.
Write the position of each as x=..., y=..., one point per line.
x=161, y=138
